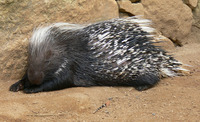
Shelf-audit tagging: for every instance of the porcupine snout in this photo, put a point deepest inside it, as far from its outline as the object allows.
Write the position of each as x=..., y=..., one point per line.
x=35, y=77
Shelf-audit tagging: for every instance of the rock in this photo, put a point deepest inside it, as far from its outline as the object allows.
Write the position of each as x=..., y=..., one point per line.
x=19, y=18
x=172, y=18
x=126, y=6
x=196, y=12
x=191, y=3
x=194, y=36
x=163, y=42
x=13, y=58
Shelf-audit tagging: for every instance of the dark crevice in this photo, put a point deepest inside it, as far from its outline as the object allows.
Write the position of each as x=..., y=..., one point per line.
x=176, y=42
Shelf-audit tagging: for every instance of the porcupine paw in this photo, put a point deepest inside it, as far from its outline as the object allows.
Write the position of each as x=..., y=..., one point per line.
x=16, y=87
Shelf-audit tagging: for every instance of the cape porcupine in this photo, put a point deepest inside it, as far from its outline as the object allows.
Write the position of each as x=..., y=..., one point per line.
x=117, y=52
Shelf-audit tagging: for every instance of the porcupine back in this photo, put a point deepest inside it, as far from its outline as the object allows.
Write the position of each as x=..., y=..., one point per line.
x=125, y=54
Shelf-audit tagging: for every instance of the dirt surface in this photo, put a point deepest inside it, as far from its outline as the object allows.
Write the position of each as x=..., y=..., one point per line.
x=173, y=99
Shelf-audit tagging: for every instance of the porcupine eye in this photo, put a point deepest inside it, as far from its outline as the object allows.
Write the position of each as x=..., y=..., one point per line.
x=47, y=58
x=47, y=62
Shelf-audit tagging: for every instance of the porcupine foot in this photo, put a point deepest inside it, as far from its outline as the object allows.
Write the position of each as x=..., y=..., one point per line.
x=17, y=86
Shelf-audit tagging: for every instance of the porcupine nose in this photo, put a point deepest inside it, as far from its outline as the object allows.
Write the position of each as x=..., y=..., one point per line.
x=35, y=77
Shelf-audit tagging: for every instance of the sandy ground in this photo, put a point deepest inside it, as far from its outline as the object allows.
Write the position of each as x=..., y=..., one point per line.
x=173, y=99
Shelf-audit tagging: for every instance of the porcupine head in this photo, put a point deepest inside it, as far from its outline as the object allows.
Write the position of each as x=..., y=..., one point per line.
x=40, y=55
x=45, y=53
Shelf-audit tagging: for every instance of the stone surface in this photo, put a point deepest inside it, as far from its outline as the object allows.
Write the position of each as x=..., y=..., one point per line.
x=13, y=58
x=196, y=13
x=18, y=18
x=172, y=18
x=191, y=3
x=131, y=8
x=194, y=36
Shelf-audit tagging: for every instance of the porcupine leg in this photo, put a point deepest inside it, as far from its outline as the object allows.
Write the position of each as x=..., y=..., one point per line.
x=47, y=86
x=39, y=88
x=146, y=81
x=19, y=85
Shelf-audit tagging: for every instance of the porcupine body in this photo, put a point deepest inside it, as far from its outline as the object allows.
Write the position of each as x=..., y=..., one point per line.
x=117, y=52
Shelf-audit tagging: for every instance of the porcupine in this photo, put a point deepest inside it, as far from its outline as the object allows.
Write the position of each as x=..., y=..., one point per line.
x=116, y=52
